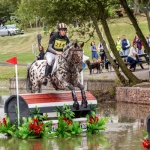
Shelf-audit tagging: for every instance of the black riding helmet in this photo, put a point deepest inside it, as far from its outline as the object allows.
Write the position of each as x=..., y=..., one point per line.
x=62, y=26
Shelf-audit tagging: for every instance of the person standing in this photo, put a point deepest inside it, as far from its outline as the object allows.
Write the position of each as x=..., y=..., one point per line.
x=139, y=44
x=41, y=54
x=94, y=50
x=118, y=45
x=101, y=51
x=56, y=44
x=39, y=38
x=125, y=45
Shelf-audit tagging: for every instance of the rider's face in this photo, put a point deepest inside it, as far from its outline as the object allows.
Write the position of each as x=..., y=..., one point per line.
x=62, y=32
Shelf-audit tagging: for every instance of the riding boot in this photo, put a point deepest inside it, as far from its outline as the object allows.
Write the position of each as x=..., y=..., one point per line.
x=48, y=70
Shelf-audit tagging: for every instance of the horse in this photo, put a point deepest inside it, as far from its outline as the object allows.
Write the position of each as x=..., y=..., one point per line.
x=64, y=74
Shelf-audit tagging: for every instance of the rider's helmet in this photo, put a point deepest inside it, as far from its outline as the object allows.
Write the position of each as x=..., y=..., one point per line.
x=62, y=26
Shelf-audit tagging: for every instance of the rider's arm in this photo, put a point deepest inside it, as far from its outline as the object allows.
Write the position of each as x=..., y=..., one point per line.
x=51, y=42
x=50, y=49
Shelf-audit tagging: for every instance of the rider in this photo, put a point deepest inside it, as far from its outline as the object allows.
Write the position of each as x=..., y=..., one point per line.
x=56, y=44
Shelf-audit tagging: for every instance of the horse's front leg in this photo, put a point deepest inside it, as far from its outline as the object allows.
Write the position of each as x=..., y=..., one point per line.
x=75, y=104
x=84, y=101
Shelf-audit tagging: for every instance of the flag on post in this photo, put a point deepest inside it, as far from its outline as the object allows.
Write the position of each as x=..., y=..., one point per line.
x=12, y=60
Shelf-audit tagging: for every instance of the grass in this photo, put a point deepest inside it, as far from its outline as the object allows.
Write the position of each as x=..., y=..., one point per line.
x=21, y=46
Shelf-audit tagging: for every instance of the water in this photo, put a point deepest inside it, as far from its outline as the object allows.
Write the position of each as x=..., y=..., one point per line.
x=124, y=131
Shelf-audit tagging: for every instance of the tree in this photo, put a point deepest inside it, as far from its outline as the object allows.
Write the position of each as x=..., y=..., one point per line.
x=98, y=11
x=5, y=10
x=145, y=8
x=136, y=8
x=65, y=11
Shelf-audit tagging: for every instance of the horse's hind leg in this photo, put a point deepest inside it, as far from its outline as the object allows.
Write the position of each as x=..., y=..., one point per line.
x=84, y=101
x=75, y=104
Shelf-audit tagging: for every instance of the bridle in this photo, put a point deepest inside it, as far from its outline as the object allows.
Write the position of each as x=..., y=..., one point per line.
x=70, y=61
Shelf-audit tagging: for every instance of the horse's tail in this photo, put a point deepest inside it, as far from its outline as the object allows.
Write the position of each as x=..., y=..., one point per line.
x=28, y=82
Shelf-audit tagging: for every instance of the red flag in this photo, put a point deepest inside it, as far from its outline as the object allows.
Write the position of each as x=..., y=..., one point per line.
x=12, y=60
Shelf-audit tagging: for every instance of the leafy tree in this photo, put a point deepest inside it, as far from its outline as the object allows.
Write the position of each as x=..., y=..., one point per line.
x=51, y=11
x=5, y=10
x=64, y=11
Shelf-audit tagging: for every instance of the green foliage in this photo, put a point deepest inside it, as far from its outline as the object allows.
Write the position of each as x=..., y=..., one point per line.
x=6, y=127
x=33, y=128
x=65, y=112
x=112, y=91
x=74, y=129
x=94, y=124
x=62, y=130
x=145, y=134
x=36, y=114
x=23, y=130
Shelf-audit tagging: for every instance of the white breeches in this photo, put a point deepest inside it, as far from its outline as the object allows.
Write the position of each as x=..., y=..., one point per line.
x=50, y=57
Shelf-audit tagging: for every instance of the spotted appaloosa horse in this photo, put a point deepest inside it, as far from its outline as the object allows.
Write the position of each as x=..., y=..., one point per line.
x=64, y=74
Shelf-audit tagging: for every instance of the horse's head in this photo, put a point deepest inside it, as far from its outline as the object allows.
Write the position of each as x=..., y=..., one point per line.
x=75, y=56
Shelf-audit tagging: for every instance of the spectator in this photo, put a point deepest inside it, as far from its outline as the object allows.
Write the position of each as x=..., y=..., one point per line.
x=132, y=57
x=41, y=54
x=139, y=44
x=75, y=23
x=94, y=50
x=118, y=45
x=39, y=38
x=125, y=45
x=101, y=51
x=79, y=22
x=148, y=40
x=45, y=30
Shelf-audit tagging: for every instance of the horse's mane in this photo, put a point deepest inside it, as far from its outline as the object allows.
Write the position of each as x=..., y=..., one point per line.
x=68, y=46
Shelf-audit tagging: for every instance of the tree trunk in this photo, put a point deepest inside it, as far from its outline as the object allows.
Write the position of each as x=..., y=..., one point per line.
x=146, y=11
x=131, y=77
x=136, y=8
x=134, y=22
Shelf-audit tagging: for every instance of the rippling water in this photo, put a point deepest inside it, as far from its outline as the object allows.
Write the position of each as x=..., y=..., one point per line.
x=124, y=131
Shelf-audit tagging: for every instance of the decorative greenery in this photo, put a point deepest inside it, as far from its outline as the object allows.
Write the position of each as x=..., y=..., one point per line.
x=37, y=114
x=62, y=130
x=94, y=124
x=66, y=112
x=6, y=127
x=32, y=128
x=145, y=142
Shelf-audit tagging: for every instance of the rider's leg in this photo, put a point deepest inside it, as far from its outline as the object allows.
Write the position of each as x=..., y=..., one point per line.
x=48, y=69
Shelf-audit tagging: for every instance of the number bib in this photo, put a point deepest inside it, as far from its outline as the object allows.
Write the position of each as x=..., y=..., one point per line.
x=59, y=44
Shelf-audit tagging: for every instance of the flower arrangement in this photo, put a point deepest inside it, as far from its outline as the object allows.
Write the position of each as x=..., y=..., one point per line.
x=6, y=127
x=145, y=142
x=36, y=127
x=95, y=124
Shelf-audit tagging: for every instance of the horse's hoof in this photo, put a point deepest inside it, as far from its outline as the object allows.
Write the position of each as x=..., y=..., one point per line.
x=84, y=103
x=76, y=105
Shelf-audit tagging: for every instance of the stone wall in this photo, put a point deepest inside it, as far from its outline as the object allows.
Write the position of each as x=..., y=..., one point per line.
x=89, y=85
x=133, y=95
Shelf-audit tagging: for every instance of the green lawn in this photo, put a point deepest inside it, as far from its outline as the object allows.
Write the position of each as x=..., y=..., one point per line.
x=21, y=45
